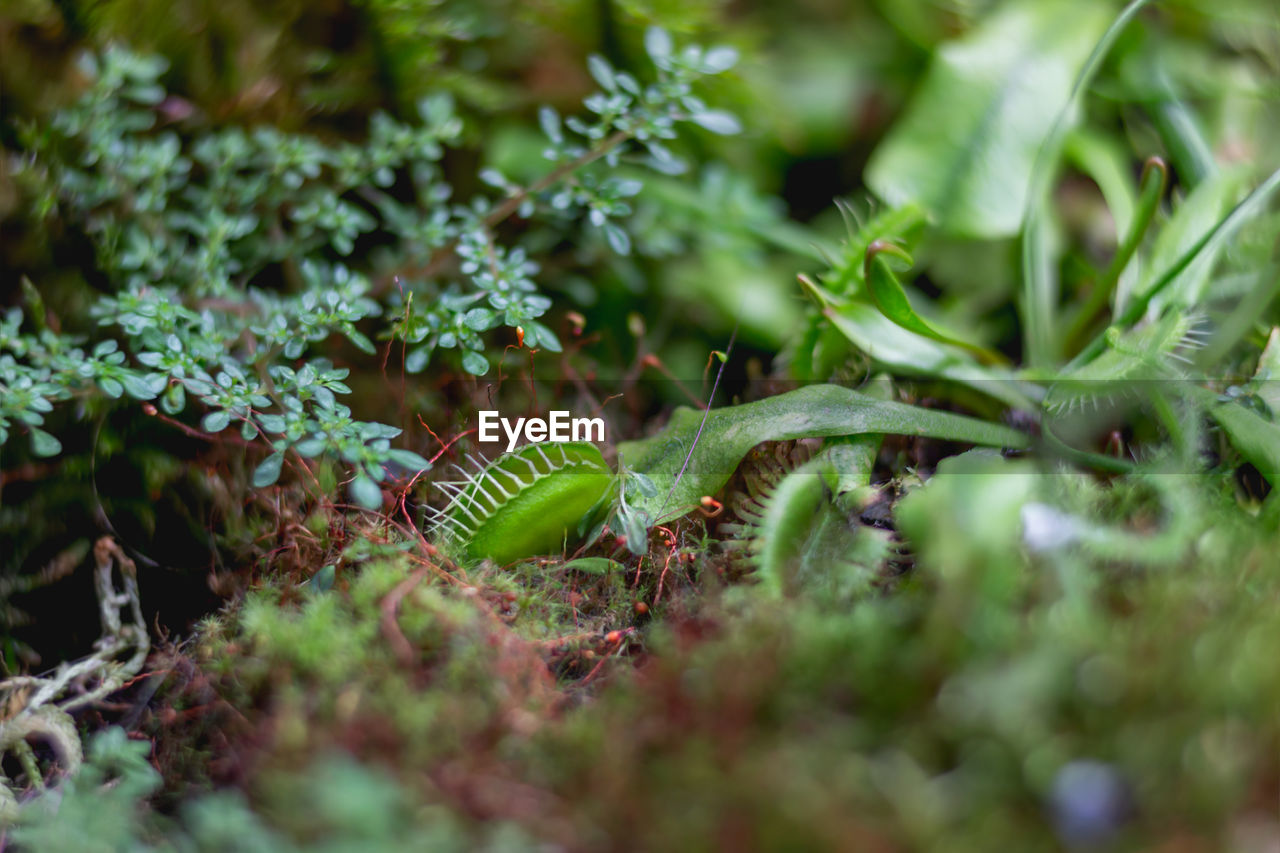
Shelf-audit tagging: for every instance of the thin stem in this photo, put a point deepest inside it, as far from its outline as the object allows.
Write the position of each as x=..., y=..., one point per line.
x=512, y=204
x=1217, y=235
x=1155, y=176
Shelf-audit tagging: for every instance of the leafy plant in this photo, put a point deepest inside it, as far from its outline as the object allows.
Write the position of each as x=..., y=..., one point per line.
x=197, y=234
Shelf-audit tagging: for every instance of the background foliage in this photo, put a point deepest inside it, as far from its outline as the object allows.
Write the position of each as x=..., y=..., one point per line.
x=260, y=264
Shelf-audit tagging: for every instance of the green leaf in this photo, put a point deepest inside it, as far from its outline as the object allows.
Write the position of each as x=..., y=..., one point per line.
x=810, y=412
x=143, y=389
x=479, y=319
x=1039, y=261
x=967, y=145
x=892, y=301
x=475, y=363
x=1256, y=439
x=1211, y=242
x=1196, y=217
x=111, y=387
x=44, y=444
x=322, y=580
x=892, y=346
x=657, y=43
x=365, y=492
x=602, y=71
x=273, y=423
x=718, y=121
x=550, y=122
x=644, y=485
x=635, y=530
x=361, y=341
x=216, y=421
x=807, y=539
x=268, y=471
x=543, y=337
x=408, y=460
x=594, y=565
x=618, y=239
x=310, y=447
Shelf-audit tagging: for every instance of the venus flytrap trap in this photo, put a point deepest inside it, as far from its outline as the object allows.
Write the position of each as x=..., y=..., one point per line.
x=527, y=502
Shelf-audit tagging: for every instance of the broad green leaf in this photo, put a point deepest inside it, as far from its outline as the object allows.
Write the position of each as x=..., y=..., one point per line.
x=967, y=146
x=810, y=412
x=1039, y=254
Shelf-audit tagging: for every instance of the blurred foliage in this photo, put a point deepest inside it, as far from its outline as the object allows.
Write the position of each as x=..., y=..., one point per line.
x=885, y=642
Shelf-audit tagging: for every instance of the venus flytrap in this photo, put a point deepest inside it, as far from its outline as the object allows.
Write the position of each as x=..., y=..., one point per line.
x=540, y=497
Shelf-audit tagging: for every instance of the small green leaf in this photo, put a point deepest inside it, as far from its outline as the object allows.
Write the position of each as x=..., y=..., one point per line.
x=322, y=580
x=618, y=239
x=273, y=423
x=111, y=387
x=408, y=460
x=644, y=485
x=602, y=71
x=310, y=447
x=719, y=59
x=365, y=492
x=718, y=121
x=657, y=43
x=140, y=388
x=216, y=421
x=479, y=319
x=635, y=530
x=475, y=363
x=542, y=337
x=268, y=471
x=550, y=123
x=361, y=341
x=44, y=444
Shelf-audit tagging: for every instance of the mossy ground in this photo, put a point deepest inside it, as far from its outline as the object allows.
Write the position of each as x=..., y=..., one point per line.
x=989, y=696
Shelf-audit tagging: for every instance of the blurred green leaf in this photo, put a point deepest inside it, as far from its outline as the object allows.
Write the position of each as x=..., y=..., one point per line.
x=594, y=565
x=967, y=144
